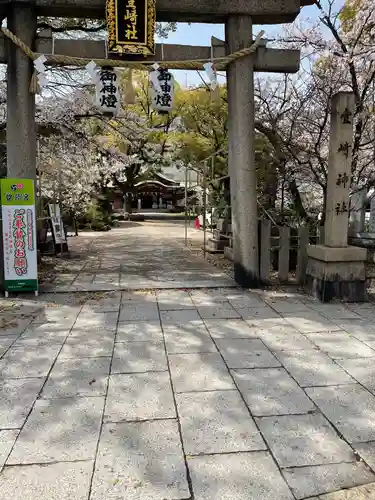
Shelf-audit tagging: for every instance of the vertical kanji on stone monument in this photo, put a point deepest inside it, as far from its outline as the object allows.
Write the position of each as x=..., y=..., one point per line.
x=339, y=170
x=131, y=27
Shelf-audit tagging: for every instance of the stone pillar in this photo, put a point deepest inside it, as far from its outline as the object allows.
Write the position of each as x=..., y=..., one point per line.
x=21, y=134
x=339, y=170
x=243, y=182
x=336, y=270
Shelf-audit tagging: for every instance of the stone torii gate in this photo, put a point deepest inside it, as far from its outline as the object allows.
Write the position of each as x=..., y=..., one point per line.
x=238, y=16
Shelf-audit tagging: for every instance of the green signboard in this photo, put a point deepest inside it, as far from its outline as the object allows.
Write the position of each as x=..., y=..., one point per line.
x=19, y=235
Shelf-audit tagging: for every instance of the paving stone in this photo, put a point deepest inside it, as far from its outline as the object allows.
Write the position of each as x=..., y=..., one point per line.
x=230, y=329
x=13, y=327
x=284, y=340
x=241, y=300
x=110, y=281
x=86, y=331
x=139, y=396
x=199, y=372
x=362, y=370
x=5, y=343
x=180, y=317
x=366, y=492
x=139, y=312
x=138, y=296
x=367, y=452
x=16, y=399
x=141, y=331
x=7, y=439
x=110, y=302
x=287, y=305
x=308, y=481
x=361, y=329
x=87, y=347
x=271, y=392
x=48, y=333
x=132, y=357
x=266, y=324
x=174, y=300
x=264, y=312
x=96, y=320
x=223, y=310
x=140, y=461
x=68, y=378
x=350, y=408
x=64, y=481
x=57, y=430
x=28, y=361
x=340, y=345
x=66, y=315
x=312, y=367
x=303, y=440
x=246, y=353
x=188, y=339
x=216, y=422
x=310, y=322
x=239, y=476
x=334, y=311
x=208, y=297
x=361, y=308
x=101, y=307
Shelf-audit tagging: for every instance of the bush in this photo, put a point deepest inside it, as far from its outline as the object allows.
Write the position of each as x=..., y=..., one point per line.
x=95, y=219
x=99, y=226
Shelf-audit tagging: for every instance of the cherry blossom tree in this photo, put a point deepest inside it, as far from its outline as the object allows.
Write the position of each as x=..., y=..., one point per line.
x=294, y=112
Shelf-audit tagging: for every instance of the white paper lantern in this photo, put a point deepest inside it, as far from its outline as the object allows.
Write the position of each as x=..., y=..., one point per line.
x=161, y=90
x=107, y=92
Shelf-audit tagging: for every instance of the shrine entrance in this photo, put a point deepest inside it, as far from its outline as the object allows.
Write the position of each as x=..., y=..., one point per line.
x=239, y=55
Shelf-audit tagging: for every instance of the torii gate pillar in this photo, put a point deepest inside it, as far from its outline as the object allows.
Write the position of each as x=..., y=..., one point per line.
x=21, y=134
x=241, y=158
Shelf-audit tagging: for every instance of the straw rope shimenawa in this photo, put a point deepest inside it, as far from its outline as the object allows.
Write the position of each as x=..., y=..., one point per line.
x=220, y=63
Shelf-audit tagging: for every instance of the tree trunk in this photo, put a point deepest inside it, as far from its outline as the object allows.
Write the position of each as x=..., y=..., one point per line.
x=270, y=189
x=128, y=203
x=297, y=201
x=323, y=219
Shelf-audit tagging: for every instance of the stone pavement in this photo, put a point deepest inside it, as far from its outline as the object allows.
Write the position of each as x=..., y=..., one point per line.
x=204, y=394
x=134, y=256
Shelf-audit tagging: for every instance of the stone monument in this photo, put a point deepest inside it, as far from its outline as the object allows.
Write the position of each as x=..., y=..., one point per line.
x=336, y=270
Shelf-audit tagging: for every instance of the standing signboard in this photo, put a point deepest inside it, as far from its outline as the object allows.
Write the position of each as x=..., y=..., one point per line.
x=19, y=235
x=58, y=230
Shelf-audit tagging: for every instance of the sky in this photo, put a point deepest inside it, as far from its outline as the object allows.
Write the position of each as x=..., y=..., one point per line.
x=200, y=34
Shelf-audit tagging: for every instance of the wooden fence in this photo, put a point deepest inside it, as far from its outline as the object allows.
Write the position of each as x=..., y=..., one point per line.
x=283, y=252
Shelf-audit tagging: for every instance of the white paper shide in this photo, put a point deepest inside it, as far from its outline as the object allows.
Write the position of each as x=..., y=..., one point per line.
x=107, y=91
x=161, y=89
